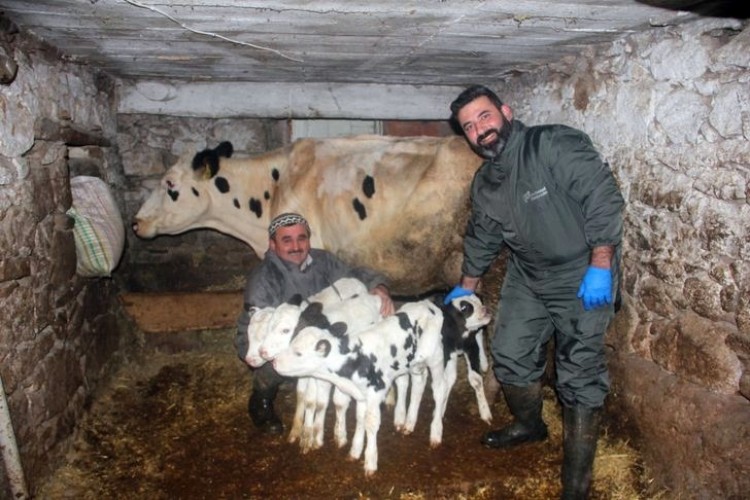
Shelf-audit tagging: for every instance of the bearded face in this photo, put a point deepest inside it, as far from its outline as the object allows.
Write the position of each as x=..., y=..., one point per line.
x=492, y=142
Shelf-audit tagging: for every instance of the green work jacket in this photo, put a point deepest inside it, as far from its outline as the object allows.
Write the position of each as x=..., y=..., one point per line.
x=549, y=197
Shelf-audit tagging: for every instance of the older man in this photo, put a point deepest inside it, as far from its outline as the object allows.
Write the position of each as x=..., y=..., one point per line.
x=290, y=267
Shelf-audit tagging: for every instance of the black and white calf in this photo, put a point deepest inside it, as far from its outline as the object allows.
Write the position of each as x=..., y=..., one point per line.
x=421, y=336
x=271, y=329
x=365, y=365
x=464, y=320
x=284, y=318
x=348, y=317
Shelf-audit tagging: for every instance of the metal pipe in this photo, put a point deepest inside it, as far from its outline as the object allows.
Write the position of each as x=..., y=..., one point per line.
x=11, y=458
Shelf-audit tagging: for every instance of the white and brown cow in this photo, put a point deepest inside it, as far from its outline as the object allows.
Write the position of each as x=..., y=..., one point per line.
x=385, y=202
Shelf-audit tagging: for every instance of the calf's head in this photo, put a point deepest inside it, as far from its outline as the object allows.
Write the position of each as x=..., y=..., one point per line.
x=307, y=353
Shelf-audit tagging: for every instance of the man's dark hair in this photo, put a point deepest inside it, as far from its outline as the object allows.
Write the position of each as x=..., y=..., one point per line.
x=468, y=95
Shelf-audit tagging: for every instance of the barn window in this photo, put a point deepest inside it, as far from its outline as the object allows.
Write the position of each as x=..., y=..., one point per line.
x=334, y=128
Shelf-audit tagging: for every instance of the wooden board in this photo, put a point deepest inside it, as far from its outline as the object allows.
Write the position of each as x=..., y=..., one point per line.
x=177, y=312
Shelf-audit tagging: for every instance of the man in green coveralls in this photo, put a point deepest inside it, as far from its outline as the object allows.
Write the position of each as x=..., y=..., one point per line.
x=546, y=194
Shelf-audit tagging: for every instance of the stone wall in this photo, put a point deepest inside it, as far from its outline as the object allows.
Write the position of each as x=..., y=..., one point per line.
x=670, y=109
x=60, y=335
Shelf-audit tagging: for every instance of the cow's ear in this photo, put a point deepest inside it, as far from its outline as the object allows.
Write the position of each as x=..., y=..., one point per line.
x=338, y=329
x=323, y=348
x=206, y=164
x=295, y=299
x=225, y=149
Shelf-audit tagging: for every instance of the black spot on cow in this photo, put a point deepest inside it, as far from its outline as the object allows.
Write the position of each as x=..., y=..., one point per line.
x=173, y=194
x=395, y=365
x=236, y=203
x=359, y=208
x=368, y=186
x=344, y=345
x=353, y=365
x=266, y=195
x=275, y=174
x=454, y=326
x=409, y=343
x=403, y=321
x=394, y=351
x=375, y=377
x=208, y=159
x=256, y=207
x=222, y=184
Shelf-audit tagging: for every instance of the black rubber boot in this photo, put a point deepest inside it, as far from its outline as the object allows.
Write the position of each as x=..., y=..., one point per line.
x=580, y=433
x=525, y=404
x=266, y=384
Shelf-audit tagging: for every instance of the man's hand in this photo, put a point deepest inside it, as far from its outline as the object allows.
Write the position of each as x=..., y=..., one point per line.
x=458, y=291
x=596, y=288
x=386, y=306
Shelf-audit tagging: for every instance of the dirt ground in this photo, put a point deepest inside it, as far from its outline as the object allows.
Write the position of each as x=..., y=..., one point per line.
x=175, y=426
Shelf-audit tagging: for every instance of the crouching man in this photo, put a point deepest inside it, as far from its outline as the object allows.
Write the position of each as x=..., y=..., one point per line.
x=290, y=267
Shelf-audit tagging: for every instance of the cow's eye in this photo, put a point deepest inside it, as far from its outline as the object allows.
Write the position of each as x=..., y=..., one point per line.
x=170, y=184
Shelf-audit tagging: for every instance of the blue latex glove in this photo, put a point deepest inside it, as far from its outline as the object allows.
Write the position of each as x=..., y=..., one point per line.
x=458, y=291
x=596, y=288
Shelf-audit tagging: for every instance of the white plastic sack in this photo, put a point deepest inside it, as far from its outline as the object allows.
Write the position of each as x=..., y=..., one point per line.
x=99, y=231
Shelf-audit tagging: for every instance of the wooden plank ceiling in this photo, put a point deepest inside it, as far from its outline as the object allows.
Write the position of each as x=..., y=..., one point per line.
x=414, y=42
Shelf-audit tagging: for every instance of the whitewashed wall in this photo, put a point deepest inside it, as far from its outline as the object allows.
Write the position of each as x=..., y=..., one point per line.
x=670, y=109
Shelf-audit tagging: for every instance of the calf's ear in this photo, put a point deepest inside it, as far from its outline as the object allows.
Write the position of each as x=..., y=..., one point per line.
x=338, y=329
x=295, y=299
x=323, y=348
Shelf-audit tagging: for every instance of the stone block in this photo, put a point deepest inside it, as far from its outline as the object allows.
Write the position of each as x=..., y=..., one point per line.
x=696, y=350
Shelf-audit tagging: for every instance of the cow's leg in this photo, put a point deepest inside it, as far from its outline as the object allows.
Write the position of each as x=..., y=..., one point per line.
x=390, y=398
x=418, y=382
x=306, y=437
x=323, y=397
x=299, y=410
x=482, y=354
x=341, y=402
x=372, y=425
x=476, y=380
x=399, y=412
x=358, y=440
x=450, y=375
x=439, y=384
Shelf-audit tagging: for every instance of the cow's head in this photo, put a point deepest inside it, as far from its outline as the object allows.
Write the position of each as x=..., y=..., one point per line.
x=307, y=353
x=257, y=330
x=182, y=197
x=281, y=327
x=470, y=313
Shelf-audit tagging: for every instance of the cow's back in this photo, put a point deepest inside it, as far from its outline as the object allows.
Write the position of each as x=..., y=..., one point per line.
x=398, y=205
